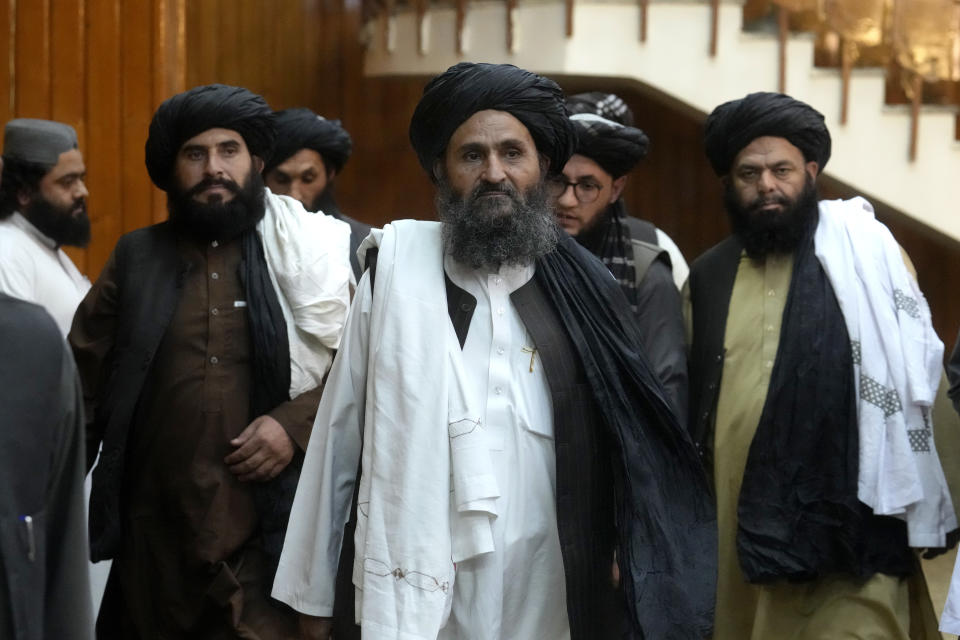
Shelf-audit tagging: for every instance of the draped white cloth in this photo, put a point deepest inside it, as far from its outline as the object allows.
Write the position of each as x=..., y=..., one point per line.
x=308, y=257
x=897, y=363
x=32, y=268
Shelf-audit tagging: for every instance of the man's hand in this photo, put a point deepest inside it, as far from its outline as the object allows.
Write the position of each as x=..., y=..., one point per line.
x=313, y=628
x=263, y=450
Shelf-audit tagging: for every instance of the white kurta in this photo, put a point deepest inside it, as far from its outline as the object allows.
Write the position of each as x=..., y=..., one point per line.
x=33, y=268
x=515, y=592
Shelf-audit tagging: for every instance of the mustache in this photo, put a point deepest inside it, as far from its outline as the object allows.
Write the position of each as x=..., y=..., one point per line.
x=206, y=183
x=491, y=187
x=761, y=202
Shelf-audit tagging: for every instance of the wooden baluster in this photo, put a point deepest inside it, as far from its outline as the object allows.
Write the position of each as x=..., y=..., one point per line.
x=783, y=31
x=846, y=65
x=569, y=12
x=420, y=6
x=644, y=5
x=511, y=7
x=714, y=26
x=917, y=99
x=461, y=21
x=387, y=17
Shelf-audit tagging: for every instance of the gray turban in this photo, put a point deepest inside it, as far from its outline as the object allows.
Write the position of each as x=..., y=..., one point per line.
x=735, y=124
x=452, y=97
x=303, y=129
x=209, y=107
x=37, y=141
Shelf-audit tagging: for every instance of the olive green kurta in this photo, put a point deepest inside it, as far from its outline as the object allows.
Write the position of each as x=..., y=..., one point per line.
x=835, y=607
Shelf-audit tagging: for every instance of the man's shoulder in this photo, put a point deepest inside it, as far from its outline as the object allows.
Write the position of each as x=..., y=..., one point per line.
x=722, y=252
x=159, y=232
x=23, y=318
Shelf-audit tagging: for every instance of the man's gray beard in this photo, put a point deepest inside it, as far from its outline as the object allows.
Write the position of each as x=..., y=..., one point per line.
x=490, y=232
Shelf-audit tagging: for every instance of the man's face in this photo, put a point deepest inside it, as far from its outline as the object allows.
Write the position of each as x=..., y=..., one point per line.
x=491, y=154
x=771, y=197
x=587, y=192
x=58, y=207
x=213, y=165
x=769, y=174
x=302, y=176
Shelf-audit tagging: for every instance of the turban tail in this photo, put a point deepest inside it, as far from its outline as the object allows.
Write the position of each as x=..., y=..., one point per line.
x=209, y=107
x=735, y=124
x=616, y=148
x=452, y=97
x=303, y=129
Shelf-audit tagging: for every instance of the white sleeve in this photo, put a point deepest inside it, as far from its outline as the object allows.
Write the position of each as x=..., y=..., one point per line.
x=18, y=271
x=307, y=572
x=680, y=268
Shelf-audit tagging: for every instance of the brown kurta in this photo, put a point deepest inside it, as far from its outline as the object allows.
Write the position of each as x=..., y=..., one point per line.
x=189, y=565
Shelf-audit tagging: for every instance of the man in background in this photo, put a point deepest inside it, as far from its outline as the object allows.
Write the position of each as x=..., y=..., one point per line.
x=45, y=582
x=612, y=108
x=43, y=207
x=309, y=154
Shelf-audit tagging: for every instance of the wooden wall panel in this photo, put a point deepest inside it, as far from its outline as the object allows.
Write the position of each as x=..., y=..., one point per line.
x=67, y=103
x=104, y=128
x=33, y=58
x=8, y=41
x=136, y=104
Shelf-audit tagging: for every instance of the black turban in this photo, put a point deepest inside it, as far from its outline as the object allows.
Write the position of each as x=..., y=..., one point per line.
x=605, y=105
x=455, y=95
x=735, y=124
x=209, y=107
x=303, y=129
x=616, y=148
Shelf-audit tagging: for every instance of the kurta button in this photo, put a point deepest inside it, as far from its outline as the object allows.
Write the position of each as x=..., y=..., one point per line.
x=214, y=311
x=215, y=275
x=719, y=358
x=214, y=360
x=498, y=390
x=500, y=350
x=214, y=244
x=465, y=306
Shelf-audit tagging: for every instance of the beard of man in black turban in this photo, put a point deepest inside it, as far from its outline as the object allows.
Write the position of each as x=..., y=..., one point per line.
x=484, y=232
x=217, y=220
x=765, y=232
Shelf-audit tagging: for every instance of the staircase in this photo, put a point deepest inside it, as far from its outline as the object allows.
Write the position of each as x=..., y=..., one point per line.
x=870, y=152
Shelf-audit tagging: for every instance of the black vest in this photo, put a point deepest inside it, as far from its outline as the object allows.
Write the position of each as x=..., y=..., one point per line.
x=711, y=283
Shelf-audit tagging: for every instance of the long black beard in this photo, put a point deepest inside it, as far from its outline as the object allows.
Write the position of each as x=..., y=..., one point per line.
x=62, y=225
x=763, y=232
x=221, y=221
x=489, y=232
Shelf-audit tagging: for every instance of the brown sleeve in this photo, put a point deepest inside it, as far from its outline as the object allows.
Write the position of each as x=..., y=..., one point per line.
x=91, y=338
x=296, y=416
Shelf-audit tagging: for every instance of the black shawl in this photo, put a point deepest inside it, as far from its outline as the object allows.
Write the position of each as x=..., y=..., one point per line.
x=270, y=386
x=798, y=514
x=665, y=509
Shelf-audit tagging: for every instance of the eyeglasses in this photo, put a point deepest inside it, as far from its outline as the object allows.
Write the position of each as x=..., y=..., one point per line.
x=586, y=192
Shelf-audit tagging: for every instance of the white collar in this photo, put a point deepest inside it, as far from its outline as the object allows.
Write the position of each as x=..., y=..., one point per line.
x=27, y=227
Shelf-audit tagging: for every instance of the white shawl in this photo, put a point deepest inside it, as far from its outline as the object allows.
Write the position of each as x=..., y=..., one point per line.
x=307, y=255
x=427, y=492
x=897, y=363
